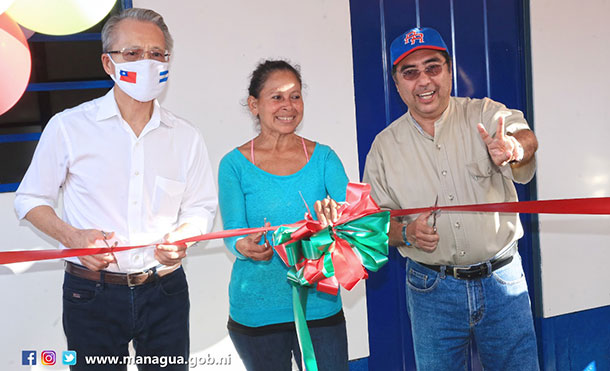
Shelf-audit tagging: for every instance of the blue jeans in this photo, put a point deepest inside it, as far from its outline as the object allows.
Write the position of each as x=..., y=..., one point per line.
x=101, y=319
x=447, y=313
x=274, y=351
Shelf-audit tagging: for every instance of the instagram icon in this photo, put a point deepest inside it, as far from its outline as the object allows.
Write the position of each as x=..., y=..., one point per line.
x=47, y=357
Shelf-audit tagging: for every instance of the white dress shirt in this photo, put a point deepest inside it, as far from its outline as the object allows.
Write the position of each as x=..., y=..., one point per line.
x=138, y=187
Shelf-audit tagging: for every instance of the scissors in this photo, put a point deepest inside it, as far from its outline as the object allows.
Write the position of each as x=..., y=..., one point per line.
x=265, y=241
x=435, y=213
x=114, y=245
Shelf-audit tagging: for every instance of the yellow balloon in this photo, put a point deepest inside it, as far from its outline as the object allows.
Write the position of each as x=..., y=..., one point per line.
x=4, y=4
x=59, y=17
x=15, y=63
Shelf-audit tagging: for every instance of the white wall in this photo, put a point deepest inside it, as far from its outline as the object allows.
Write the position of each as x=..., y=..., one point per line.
x=570, y=54
x=217, y=45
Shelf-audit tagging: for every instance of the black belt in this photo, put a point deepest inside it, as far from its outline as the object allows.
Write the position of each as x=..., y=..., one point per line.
x=472, y=272
x=127, y=279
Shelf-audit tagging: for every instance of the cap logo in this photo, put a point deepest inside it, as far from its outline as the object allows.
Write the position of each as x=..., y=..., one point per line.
x=413, y=36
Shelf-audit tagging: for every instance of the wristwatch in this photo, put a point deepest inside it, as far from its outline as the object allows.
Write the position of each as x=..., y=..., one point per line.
x=404, y=236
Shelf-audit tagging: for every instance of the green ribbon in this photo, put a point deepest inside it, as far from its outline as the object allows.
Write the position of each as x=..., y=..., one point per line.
x=299, y=303
x=368, y=238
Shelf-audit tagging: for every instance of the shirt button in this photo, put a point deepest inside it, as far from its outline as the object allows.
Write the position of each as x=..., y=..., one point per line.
x=457, y=225
x=462, y=252
x=444, y=172
x=438, y=146
x=451, y=197
x=475, y=177
x=137, y=173
x=135, y=202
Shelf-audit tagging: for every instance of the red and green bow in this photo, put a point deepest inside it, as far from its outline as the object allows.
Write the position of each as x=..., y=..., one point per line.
x=334, y=255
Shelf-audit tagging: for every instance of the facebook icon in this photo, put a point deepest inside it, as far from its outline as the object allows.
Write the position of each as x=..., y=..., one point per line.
x=28, y=357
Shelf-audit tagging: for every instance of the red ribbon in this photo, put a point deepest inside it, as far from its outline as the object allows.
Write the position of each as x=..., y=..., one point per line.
x=348, y=268
x=357, y=205
x=8, y=257
x=590, y=206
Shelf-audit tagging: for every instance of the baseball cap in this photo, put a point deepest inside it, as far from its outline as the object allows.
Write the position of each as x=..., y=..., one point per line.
x=415, y=39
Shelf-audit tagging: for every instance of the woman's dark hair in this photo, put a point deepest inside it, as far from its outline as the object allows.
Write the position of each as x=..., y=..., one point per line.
x=264, y=70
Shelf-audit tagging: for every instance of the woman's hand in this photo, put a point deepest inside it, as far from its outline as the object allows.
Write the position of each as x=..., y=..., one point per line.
x=250, y=248
x=326, y=211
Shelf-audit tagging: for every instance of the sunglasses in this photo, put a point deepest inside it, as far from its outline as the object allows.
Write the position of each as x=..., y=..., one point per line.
x=430, y=70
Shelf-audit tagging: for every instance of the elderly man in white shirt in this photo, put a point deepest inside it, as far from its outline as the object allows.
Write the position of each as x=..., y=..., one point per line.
x=131, y=173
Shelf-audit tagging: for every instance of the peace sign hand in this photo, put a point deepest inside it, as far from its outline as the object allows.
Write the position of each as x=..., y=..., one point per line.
x=502, y=148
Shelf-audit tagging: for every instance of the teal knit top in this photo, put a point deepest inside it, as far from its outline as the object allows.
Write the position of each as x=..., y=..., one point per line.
x=259, y=293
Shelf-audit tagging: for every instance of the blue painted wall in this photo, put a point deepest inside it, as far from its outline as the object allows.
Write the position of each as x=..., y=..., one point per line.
x=576, y=341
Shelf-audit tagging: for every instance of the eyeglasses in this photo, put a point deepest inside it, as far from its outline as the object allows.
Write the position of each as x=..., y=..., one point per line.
x=430, y=70
x=135, y=54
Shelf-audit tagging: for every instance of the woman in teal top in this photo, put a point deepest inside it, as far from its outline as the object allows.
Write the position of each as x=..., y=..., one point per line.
x=266, y=180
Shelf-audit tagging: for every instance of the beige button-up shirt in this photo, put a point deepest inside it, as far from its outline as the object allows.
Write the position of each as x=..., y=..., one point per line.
x=408, y=168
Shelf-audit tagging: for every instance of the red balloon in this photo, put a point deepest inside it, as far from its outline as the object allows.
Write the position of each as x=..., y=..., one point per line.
x=15, y=63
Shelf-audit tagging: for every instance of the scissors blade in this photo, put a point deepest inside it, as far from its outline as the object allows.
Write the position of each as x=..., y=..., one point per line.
x=105, y=240
x=265, y=241
x=435, y=213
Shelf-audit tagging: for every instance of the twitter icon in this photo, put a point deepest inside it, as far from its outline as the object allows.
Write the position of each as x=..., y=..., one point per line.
x=68, y=357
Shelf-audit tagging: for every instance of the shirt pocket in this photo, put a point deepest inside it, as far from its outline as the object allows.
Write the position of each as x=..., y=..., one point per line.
x=486, y=180
x=167, y=197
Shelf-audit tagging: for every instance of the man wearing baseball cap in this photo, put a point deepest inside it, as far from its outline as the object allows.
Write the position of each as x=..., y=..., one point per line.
x=465, y=280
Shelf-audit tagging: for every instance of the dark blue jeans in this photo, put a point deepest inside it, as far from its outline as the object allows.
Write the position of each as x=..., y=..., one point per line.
x=101, y=319
x=274, y=351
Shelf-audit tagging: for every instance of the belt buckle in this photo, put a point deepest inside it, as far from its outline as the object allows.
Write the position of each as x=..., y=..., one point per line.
x=129, y=277
x=475, y=271
x=457, y=274
x=132, y=278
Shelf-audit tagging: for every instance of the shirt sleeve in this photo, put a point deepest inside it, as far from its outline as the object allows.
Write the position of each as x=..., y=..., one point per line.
x=374, y=174
x=199, y=202
x=335, y=178
x=232, y=202
x=47, y=171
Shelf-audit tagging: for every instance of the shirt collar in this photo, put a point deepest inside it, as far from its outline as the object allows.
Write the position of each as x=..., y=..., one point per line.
x=438, y=124
x=108, y=108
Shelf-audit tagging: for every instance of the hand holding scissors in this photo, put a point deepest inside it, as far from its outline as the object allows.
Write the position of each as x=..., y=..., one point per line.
x=250, y=246
x=106, y=236
x=87, y=238
x=426, y=238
